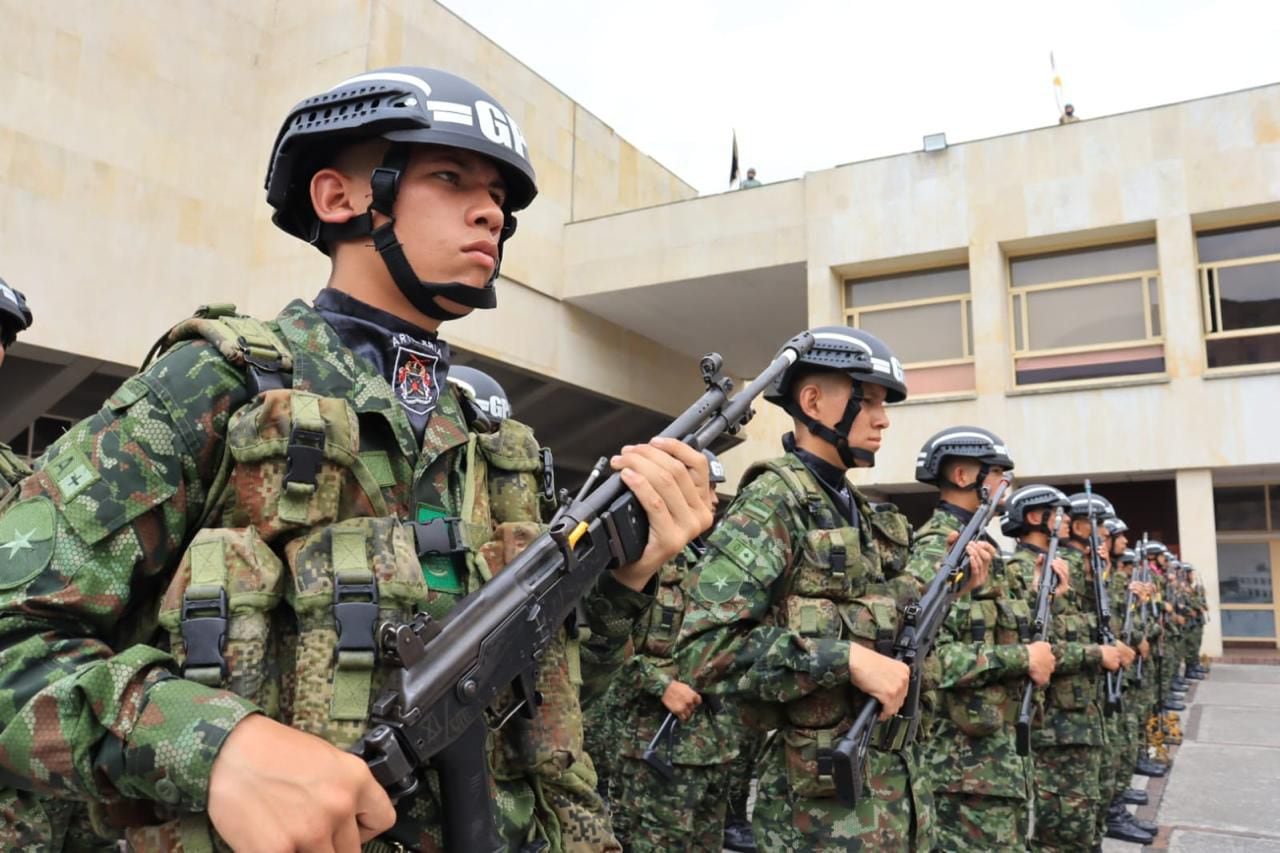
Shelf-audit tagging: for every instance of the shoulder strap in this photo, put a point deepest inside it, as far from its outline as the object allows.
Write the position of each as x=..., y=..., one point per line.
x=799, y=482
x=246, y=342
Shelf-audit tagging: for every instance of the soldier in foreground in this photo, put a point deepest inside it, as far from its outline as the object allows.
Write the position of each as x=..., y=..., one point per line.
x=984, y=655
x=795, y=604
x=258, y=476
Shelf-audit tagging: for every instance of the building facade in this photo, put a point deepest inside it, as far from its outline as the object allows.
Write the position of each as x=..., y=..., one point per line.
x=1105, y=295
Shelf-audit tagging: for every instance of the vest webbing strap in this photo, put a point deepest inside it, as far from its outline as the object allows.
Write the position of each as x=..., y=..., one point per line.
x=355, y=610
x=204, y=615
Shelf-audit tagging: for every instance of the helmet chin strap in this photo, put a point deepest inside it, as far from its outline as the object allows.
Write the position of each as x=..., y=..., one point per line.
x=852, y=457
x=422, y=295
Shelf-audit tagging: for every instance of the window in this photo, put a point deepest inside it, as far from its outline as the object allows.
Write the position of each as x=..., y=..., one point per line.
x=1240, y=294
x=1248, y=560
x=925, y=318
x=1086, y=314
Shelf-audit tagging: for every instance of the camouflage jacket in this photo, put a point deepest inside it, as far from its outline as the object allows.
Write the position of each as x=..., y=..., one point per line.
x=92, y=705
x=1072, y=714
x=711, y=736
x=982, y=667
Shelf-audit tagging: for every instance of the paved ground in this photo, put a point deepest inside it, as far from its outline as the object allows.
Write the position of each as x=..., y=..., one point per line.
x=1224, y=791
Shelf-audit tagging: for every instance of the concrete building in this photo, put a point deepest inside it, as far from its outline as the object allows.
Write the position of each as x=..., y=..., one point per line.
x=1105, y=295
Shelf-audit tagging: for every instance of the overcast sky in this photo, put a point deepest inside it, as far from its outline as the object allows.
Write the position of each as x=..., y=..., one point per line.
x=812, y=84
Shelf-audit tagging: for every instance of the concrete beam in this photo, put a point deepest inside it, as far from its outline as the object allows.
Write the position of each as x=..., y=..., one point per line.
x=45, y=396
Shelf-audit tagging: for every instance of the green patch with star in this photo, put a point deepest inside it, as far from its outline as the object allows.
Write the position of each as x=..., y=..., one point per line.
x=26, y=541
x=719, y=581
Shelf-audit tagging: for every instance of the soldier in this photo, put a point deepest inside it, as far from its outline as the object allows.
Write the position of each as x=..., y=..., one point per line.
x=686, y=811
x=799, y=588
x=15, y=317
x=1067, y=745
x=985, y=655
x=225, y=499
x=1199, y=606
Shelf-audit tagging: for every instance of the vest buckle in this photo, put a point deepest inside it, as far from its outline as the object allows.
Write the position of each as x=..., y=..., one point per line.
x=355, y=609
x=204, y=636
x=439, y=537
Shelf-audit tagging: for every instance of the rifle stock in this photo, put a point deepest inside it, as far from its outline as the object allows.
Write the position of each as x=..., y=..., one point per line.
x=445, y=673
x=919, y=629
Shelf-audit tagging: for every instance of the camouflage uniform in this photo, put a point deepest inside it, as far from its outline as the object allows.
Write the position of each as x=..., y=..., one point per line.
x=174, y=495
x=12, y=468
x=650, y=813
x=1066, y=737
x=980, y=783
x=782, y=592
x=1199, y=607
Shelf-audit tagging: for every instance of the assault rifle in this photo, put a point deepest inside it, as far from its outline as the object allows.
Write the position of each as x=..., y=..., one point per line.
x=1102, y=601
x=1142, y=574
x=664, y=765
x=1040, y=631
x=919, y=629
x=445, y=673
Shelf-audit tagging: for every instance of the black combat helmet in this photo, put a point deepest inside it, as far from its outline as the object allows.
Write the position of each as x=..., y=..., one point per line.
x=1102, y=508
x=1037, y=496
x=1115, y=526
x=715, y=469
x=1129, y=557
x=1155, y=548
x=489, y=396
x=865, y=359
x=404, y=105
x=15, y=316
x=971, y=442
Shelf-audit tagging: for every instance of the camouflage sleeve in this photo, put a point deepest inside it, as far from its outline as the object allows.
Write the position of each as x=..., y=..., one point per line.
x=653, y=675
x=85, y=709
x=1072, y=658
x=928, y=547
x=612, y=609
x=964, y=664
x=727, y=644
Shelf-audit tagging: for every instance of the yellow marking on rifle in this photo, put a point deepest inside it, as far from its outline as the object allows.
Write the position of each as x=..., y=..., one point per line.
x=577, y=534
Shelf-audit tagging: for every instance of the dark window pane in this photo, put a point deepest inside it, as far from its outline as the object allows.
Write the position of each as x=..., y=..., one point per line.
x=1095, y=370
x=953, y=281
x=1153, y=286
x=1275, y=507
x=1083, y=263
x=1250, y=296
x=1244, y=572
x=1255, y=349
x=1240, y=508
x=1238, y=243
x=1249, y=623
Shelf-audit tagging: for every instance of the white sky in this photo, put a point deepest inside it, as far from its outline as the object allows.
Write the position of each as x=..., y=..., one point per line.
x=809, y=84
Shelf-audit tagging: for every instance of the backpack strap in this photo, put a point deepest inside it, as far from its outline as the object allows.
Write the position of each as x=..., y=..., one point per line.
x=246, y=342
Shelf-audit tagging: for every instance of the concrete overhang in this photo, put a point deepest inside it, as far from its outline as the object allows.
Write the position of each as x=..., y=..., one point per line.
x=724, y=273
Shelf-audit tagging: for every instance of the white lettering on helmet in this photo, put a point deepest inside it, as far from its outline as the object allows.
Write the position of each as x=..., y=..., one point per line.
x=8, y=293
x=451, y=112
x=952, y=436
x=493, y=124
x=498, y=407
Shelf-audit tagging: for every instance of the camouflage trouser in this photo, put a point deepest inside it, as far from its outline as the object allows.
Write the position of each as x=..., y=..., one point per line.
x=1066, y=794
x=893, y=814
x=743, y=770
x=652, y=814
x=970, y=822
x=1194, y=640
x=1111, y=731
x=34, y=824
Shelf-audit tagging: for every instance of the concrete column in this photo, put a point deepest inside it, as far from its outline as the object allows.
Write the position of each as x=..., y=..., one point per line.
x=1198, y=544
x=1180, y=295
x=989, y=287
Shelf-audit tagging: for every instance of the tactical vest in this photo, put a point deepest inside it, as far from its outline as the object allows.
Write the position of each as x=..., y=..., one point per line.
x=657, y=637
x=991, y=616
x=1071, y=709
x=308, y=542
x=836, y=588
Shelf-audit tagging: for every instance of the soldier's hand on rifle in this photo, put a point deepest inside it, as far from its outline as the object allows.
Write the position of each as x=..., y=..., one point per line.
x=670, y=480
x=980, y=556
x=1144, y=648
x=276, y=788
x=1060, y=568
x=1110, y=658
x=880, y=677
x=1040, y=662
x=1127, y=654
x=681, y=700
